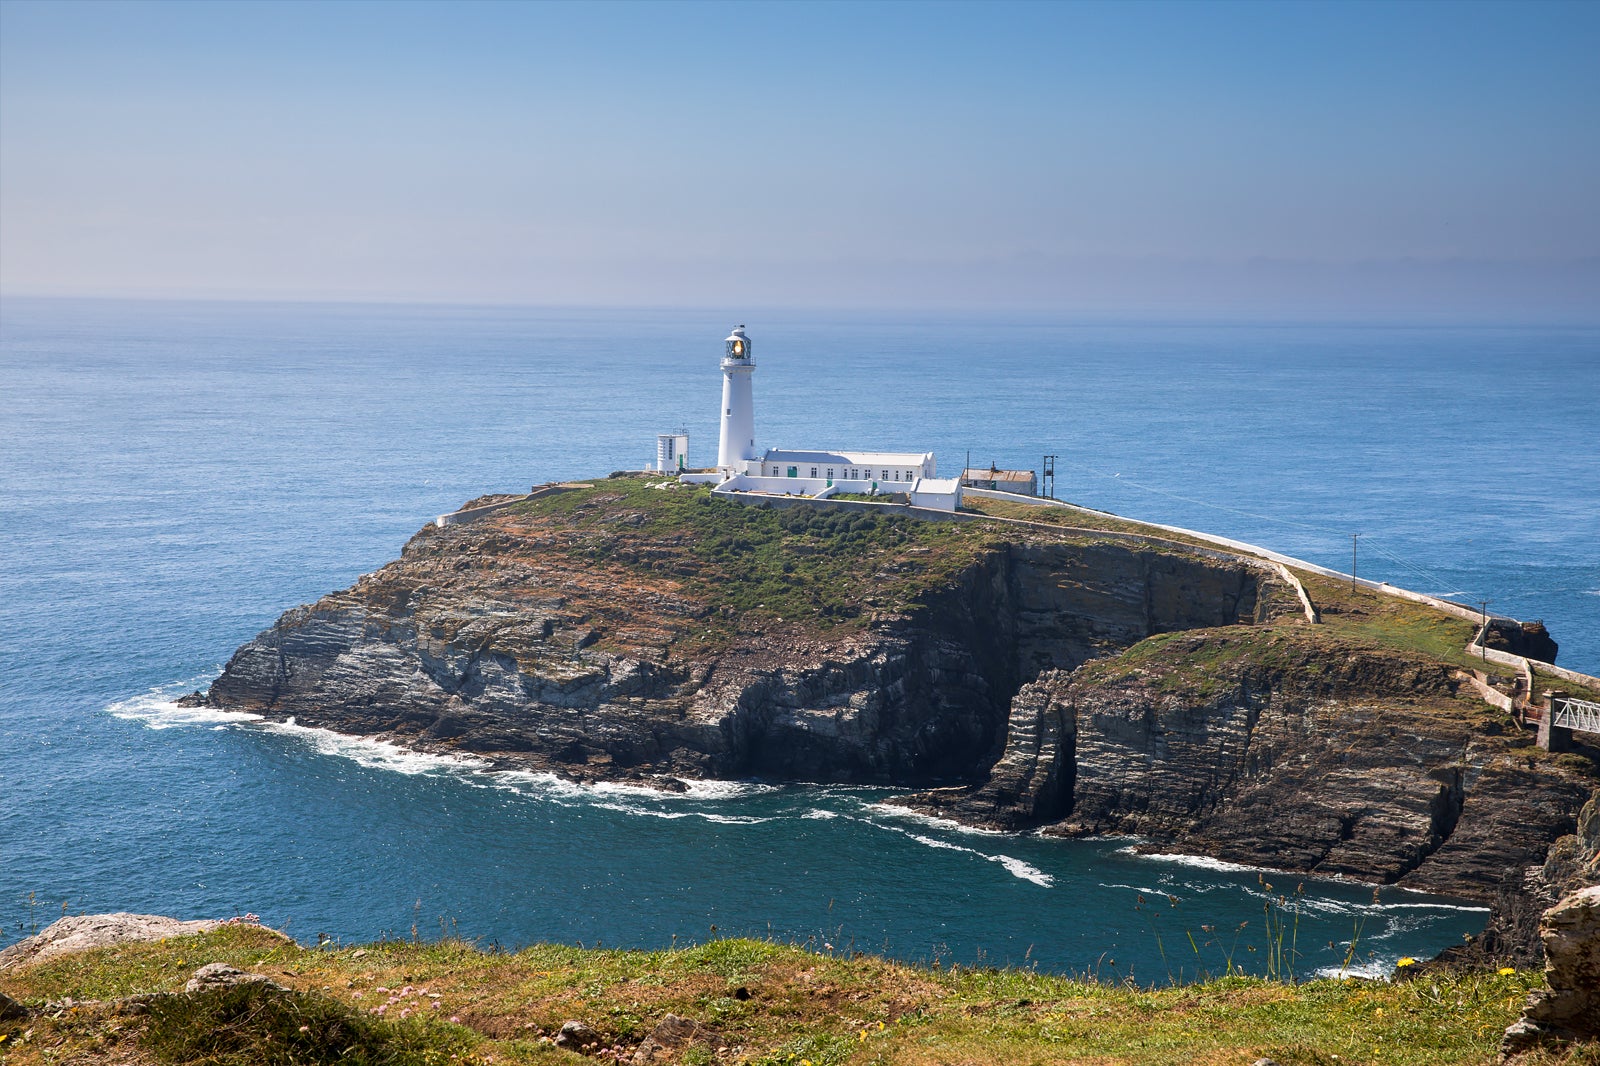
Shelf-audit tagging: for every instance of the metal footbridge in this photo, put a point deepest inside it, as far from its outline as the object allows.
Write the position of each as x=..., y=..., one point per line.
x=1570, y=713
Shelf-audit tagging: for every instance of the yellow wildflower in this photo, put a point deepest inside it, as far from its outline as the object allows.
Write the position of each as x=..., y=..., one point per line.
x=1407, y=961
x=1507, y=971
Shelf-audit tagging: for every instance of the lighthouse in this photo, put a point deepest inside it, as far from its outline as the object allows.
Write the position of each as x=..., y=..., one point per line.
x=737, y=445
x=744, y=474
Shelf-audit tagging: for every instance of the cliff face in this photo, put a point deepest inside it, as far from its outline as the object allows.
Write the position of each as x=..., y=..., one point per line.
x=1269, y=749
x=498, y=639
x=1076, y=683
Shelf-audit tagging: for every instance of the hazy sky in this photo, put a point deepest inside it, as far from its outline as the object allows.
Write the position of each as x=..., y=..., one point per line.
x=1436, y=157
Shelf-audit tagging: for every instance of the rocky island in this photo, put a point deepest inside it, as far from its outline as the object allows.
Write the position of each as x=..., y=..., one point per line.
x=1082, y=677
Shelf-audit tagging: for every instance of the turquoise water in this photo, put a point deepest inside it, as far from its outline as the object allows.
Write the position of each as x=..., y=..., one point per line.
x=176, y=475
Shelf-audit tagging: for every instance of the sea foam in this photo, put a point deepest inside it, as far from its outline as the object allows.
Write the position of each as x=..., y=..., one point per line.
x=159, y=709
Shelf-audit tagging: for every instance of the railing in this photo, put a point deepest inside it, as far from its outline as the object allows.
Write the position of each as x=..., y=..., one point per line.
x=1580, y=715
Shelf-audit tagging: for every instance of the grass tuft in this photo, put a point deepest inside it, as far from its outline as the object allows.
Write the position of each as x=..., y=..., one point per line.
x=257, y=1025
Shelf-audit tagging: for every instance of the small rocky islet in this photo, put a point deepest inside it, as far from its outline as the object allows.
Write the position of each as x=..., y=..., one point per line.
x=1007, y=674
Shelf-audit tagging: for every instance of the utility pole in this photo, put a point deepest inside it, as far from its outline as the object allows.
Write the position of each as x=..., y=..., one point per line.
x=1353, y=538
x=1483, y=634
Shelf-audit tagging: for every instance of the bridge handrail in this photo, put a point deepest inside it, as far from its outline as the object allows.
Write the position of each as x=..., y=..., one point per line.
x=1572, y=713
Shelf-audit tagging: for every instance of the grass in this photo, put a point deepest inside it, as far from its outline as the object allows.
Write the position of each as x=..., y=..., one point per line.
x=830, y=566
x=768, y=1004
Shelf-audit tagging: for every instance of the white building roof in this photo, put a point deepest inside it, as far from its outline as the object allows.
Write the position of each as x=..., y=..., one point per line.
x=880, y=459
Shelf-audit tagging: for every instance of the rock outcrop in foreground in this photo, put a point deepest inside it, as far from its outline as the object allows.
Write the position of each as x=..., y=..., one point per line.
x=1569, y=1009
x=83, y=932
x=1020, y=677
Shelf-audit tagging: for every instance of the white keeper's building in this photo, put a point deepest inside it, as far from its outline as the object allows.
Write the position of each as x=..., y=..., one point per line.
x=817, y=473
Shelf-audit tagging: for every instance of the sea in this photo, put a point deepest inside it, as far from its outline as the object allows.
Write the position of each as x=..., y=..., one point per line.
x=174, y=475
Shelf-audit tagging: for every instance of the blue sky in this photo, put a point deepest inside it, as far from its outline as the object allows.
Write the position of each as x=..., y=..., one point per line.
x=1232, y=158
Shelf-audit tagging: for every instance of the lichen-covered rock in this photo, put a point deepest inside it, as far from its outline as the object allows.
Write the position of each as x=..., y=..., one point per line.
x=671, y=1033
x=214, y=975
x=577, y=1036
x=1569, y=1008
x=81, y=932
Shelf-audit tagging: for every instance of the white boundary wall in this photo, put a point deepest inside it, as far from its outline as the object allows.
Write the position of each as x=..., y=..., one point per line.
x=1528, y=666
x=457, y=518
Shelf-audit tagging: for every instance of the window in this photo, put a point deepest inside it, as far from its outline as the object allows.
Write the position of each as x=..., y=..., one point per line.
x=909, y=477
x=813, y=471
x=794, y=471
x=883, y=475
x=897, y=475
x=830, y=473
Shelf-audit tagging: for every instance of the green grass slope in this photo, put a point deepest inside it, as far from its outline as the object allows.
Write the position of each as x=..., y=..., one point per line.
x=757, y=1003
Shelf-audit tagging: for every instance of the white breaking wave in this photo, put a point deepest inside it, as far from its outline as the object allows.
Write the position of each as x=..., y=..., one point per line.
x=1018, y=868
x=1204, y=862
x=818, y=814
x=1159, y=893
x=719, y=790
x=158, y=709
x=373, y=753
x=906, y=814
x=549, y=785
x=636, y=800
x=1371, y=970
x=1014, y=866
x=945, y=844
x=731, y=819
x=1430, y=907
x=672, y=816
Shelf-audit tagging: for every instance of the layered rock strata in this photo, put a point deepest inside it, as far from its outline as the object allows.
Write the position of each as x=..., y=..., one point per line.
x=1270, y=750
x=1029, y=679
x=491, y=639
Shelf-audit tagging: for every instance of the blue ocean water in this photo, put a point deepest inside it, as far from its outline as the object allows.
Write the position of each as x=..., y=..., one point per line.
x=175, y=475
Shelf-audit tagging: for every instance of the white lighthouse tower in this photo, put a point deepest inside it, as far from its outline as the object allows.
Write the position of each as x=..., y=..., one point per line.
x=737, y=445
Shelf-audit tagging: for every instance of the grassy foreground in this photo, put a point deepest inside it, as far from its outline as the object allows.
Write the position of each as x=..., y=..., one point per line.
x=448, y=1002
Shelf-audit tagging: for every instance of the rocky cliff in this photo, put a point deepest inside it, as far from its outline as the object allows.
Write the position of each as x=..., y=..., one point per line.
x=636, y=629
x=1274, y=746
